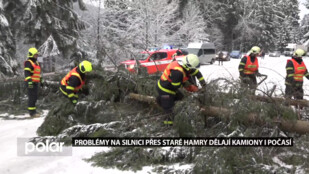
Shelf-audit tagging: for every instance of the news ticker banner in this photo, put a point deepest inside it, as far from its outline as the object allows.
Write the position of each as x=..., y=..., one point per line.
x=159, y=142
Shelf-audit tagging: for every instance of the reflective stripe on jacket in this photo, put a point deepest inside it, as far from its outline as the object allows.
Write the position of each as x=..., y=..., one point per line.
x=251, y=67
x=36, y=73
x=173, y=66
x=299, y=70
x=73, y=72
x=166, y=77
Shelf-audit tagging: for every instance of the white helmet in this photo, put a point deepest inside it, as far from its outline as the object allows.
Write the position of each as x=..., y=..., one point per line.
x=299, y=53
x=190, y=61
x=255, y=50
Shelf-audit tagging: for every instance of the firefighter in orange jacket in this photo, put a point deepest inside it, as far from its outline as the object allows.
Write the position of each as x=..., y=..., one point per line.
x=75, y=80
x=32, y=73
x=295, y=71
x=174, y=77
x=249, y=68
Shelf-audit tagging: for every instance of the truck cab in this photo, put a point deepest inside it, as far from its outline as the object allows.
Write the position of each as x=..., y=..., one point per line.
x=153, y=61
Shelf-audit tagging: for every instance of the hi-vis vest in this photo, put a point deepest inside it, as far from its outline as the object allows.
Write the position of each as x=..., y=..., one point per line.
x=251, y=67
x=173, y=66
x=166, y=76
x=299, y=70
x=73, y=72
x=36, y=73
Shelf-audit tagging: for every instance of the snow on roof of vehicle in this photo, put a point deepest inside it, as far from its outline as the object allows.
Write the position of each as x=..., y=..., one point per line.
x=201, y=45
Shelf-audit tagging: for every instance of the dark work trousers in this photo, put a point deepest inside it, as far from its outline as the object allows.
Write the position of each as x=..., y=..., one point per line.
x=294, y=91
x=249, y=81
x=32, y=98
x=167, y=101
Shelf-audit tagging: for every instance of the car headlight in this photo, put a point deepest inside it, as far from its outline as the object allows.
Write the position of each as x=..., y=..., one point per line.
x=224, y=56
x=131, y=66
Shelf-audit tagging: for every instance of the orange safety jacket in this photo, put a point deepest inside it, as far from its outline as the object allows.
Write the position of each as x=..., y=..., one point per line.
x=251, y=67
x=36, y=73
x=173, y=66
x=166, y=76
x=73, y=72
x=299, y=70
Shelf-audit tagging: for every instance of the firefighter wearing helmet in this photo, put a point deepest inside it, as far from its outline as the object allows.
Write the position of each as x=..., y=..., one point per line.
x=249, y=68
x=75, y=80
x=295, y=71
x=175, y=76
x=32, y=71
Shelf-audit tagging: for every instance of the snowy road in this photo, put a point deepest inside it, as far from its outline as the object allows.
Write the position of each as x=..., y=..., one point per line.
x=11, y=163
x=273, y=67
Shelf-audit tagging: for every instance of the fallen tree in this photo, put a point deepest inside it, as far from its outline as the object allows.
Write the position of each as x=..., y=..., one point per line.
x=301, y=103
x=297, y=126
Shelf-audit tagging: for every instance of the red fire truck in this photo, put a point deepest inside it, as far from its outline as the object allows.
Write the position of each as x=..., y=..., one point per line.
x=154, y=61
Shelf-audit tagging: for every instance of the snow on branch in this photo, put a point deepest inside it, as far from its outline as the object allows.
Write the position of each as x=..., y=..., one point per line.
x=49, y=48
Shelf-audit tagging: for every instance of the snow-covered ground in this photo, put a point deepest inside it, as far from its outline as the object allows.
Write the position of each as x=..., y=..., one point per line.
x=11, y=129
x=11, y=163
x=273, y=67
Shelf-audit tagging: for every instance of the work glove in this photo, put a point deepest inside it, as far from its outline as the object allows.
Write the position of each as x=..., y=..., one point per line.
x=30, y=84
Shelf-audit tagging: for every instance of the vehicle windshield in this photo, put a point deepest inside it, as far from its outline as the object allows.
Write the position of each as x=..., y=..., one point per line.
x=142, y=56
x=200, y=51
x=193, y=51
x=235, y=52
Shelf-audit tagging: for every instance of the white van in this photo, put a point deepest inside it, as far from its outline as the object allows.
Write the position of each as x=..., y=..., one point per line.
x=206, y=51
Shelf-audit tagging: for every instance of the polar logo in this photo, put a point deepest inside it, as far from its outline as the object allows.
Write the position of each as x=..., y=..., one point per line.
x=26, y=147
x=43, y=147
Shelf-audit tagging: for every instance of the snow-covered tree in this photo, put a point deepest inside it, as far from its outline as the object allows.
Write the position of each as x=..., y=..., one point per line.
x=192, y=25
x=34, y=21
x=305, y=29
x=228, y=15
x=143, y=24
x=288, y=20
x=7, y=48
x=269, y=24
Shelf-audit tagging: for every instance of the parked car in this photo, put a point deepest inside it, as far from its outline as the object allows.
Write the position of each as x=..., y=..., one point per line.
x=206, y=51
x=154, y=61
x=225, y=57
x=236, y=54
x=274, y=54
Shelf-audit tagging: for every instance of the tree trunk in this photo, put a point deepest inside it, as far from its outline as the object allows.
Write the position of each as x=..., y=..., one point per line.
x=298, y=126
